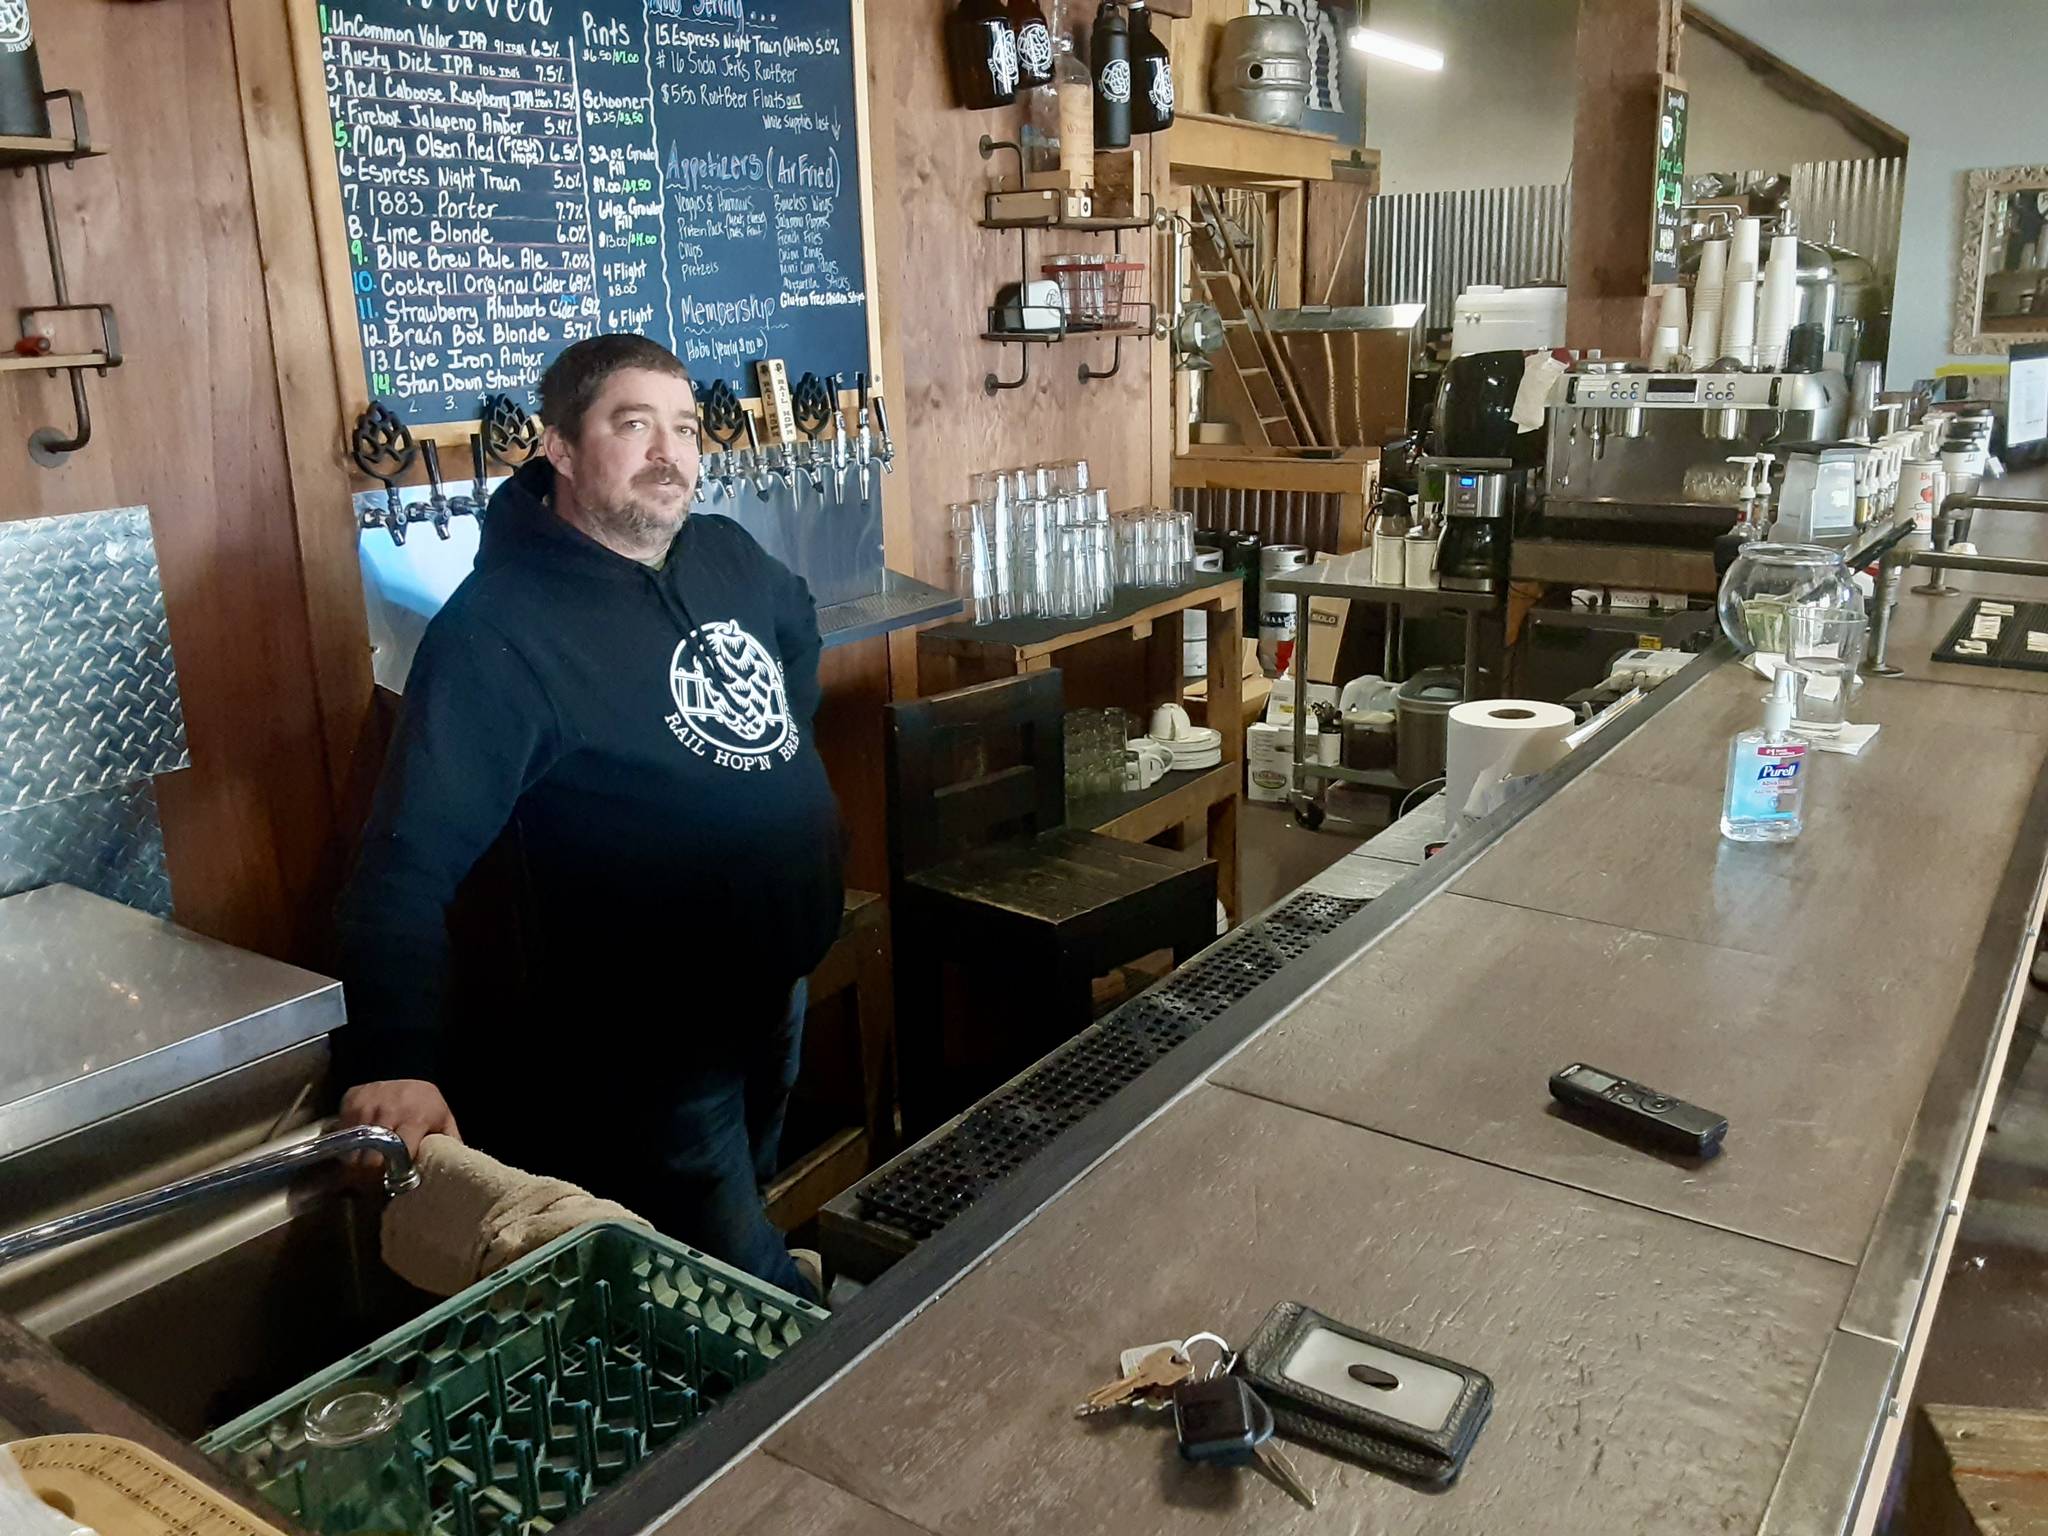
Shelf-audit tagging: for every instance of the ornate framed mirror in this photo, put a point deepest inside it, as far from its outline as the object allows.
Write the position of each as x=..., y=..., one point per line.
x=2002, y=263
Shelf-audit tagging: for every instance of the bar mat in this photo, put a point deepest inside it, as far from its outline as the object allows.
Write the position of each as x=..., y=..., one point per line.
x=2010, y=647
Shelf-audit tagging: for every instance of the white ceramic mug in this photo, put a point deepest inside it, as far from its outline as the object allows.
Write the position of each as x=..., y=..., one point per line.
x=1146, y=762
x=1170, y=722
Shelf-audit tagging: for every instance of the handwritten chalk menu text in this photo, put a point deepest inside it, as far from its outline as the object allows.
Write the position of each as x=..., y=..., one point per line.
x=519, y=174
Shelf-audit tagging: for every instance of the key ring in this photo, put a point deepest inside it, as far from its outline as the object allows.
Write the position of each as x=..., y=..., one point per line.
x=1226, y=1357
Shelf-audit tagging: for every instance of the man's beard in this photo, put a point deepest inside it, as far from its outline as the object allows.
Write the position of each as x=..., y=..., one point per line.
x=642, y=520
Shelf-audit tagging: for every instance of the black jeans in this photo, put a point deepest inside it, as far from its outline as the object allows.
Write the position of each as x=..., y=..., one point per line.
x=692, y=1157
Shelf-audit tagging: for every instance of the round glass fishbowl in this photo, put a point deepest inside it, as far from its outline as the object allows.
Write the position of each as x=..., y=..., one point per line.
x=1768, y=581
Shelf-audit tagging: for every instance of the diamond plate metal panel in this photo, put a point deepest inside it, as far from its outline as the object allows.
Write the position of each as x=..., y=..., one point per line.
x=88, y=692
x=108, y=842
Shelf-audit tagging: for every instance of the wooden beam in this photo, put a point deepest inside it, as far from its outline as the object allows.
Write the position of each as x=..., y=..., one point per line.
x=1800, y=88
x=1224, y=150
x=1625, y=50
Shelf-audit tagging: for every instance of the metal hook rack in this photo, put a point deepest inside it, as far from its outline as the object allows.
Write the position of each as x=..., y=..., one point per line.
x=51, y=446
x=992, y=383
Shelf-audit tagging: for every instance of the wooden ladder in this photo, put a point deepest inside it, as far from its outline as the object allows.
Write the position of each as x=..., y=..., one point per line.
x=1256, y=381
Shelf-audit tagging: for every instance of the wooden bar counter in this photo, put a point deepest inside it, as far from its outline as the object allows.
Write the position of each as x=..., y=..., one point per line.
x=1674, y=1346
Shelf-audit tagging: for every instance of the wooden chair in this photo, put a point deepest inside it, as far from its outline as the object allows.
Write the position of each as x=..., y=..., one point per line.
x=988, y=877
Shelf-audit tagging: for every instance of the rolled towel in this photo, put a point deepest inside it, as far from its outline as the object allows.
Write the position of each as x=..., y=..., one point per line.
x=471, y=1215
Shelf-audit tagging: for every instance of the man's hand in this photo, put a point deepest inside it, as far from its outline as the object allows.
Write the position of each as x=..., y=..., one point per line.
x=412, y=1108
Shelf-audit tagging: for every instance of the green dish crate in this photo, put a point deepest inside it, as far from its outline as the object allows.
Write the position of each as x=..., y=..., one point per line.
x=536, y=1389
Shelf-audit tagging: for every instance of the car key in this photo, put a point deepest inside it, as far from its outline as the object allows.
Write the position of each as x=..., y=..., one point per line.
x=1222, y=1420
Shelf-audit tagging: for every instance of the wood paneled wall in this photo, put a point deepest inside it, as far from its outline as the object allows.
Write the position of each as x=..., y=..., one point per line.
x=940, y=273
x=163, y=228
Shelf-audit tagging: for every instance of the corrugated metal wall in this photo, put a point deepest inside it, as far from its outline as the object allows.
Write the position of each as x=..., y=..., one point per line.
x=1426, y=247
x=1860, y=200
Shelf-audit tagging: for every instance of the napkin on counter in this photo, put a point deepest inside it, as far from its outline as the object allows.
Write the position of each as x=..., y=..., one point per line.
x=471, y=1215
x=1849, y=740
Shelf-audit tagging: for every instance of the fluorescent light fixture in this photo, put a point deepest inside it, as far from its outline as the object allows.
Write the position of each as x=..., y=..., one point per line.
x=1381, y=46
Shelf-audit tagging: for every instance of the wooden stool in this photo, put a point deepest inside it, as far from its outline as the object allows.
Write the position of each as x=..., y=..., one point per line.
x=987, y=877
x=857, y=967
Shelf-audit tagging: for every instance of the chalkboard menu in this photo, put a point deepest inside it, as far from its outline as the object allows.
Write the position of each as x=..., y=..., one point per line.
x=519, y=174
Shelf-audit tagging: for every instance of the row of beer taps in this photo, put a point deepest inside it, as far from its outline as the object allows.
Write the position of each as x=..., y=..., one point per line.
x=382, y=447
x=809, y=444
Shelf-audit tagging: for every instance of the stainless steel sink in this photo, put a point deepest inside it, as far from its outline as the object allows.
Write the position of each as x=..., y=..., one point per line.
x=273, y=1302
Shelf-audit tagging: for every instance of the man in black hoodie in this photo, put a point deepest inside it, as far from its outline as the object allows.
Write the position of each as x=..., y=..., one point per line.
x=616, y=707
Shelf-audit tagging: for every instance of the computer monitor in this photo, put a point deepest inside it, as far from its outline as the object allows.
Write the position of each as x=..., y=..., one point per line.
x=2026, y=395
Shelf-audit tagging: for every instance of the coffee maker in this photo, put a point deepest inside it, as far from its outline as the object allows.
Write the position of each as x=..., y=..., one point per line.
x=1478, y=474
x=1478, y=497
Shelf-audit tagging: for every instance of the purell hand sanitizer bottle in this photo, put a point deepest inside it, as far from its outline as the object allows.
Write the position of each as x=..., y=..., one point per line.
x=1766, y=797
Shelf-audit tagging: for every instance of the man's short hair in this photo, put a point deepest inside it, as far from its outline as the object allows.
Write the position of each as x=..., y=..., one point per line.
x=574, y=379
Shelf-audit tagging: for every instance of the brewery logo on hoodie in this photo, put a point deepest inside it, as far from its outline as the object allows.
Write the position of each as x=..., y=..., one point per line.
x=730, y=701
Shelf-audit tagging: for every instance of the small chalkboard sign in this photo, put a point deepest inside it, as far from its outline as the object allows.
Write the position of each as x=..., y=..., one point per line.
x=515, y=175
x=1669, y=195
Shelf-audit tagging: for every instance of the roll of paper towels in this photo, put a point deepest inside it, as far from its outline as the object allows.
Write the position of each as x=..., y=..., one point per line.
x=1489, y=740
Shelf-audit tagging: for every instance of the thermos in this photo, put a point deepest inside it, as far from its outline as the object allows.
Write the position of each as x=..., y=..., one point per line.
x=1034, y=44
x=23, y=112
x=984, y=50
x=1111, y=55
x=1151, y=76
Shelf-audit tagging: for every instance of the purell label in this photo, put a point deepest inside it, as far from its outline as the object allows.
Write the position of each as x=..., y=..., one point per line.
x=1116, y=81
x=16, y=35
x=1034, y=50
x=1160, y=91
x=1765, y=784
x=1002, y=57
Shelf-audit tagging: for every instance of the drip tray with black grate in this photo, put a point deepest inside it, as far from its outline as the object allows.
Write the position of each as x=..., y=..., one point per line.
x=926, y=1187
x=1999, y=632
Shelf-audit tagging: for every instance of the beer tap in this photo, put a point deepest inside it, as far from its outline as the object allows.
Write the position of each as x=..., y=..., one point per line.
x=864, y=444
x=839, y=441
x=885, y=445
x=778, y=412
x=756, y=467
x=724, y=419
x=437, y=499
x=813, y=414
x=382, y=448
x=511, y=437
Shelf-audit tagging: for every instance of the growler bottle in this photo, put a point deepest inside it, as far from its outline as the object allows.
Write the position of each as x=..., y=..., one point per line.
x=984, y=54
x=1111, y=52
x=1151, y=76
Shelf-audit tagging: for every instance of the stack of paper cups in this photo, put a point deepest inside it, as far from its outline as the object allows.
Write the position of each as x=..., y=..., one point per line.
x=1670, y=329
x=1738, y=320
x=1742, y=255
x=1705, y=344
x=1779, y=302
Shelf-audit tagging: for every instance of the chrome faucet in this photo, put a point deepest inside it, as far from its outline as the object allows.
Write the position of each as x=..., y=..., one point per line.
x=400, y=1175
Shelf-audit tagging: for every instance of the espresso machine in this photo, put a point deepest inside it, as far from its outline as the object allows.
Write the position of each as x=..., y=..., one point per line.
x=1636, y=457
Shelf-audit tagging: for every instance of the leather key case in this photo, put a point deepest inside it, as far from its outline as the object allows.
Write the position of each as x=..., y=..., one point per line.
x=1370, y=1399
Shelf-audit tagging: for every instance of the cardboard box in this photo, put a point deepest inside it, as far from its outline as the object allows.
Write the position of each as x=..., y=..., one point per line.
x=1255, y=686
x=1269, y=763
x=1280, y=707
x=1327, y=617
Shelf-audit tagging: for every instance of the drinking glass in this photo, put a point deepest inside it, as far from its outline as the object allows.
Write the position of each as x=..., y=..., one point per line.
x=359, y=1474
x=1824, y=648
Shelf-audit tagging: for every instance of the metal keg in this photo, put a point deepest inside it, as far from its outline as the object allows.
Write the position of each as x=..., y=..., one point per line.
x=1261, y=72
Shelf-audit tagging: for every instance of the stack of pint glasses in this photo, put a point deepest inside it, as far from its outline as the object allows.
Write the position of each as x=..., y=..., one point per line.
x=1041, y=543
x=1033, y=544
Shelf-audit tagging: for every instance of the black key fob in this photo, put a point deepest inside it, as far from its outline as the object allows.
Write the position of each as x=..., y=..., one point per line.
x=1220, y=1420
